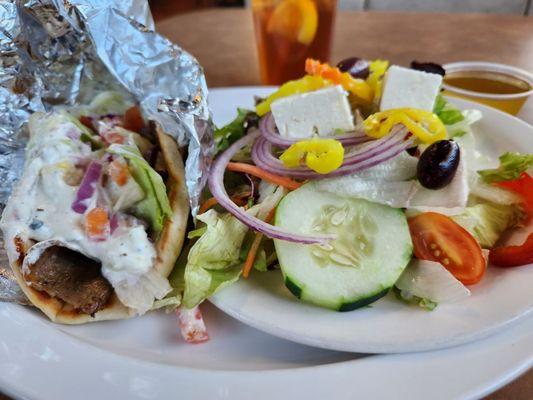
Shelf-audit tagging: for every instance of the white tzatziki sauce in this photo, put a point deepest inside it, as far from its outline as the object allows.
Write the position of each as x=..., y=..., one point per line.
x=41, y=210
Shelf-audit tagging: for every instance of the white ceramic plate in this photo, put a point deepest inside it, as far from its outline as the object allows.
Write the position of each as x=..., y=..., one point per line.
x=388, y=326
x=143, y=358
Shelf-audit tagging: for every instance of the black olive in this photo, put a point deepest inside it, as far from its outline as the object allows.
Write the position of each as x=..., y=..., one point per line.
x=438, y=163
x=430, y=67
x=356, y=67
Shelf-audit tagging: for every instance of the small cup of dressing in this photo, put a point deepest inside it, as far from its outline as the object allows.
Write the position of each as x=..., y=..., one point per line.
x=497, y=85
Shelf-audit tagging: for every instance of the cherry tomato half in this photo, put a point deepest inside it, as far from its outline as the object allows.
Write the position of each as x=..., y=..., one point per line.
x=438, y=238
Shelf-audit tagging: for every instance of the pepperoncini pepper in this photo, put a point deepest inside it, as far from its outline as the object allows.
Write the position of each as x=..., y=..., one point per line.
x=320, y=155
x=302, y=85
x=425, y=125
x=375, y=78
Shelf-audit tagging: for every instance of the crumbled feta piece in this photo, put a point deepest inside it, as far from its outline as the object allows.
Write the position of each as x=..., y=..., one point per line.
x=405, y=87
x=319, y=112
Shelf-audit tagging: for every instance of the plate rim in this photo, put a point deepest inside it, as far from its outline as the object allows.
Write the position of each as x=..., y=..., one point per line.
x=132, y=367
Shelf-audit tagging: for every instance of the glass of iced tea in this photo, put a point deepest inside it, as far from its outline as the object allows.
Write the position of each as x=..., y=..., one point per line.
x=289, y=31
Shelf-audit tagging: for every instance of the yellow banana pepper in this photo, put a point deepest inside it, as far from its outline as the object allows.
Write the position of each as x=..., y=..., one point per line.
x=321, y=155
x=375, y=78
x=425, y=125
x=302, y=85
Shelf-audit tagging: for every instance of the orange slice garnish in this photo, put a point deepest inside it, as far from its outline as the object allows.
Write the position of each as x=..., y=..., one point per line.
x=295, y=19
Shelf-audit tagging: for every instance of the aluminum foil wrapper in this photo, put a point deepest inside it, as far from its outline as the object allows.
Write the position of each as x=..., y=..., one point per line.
x=63, y=52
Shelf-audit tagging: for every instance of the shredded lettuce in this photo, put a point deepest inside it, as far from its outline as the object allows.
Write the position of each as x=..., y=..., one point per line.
x=108, y=102
x=155, y=206
x=214, y=260
x=487, y=221
x=511, y=167
x=427, y=283
x=233, y=131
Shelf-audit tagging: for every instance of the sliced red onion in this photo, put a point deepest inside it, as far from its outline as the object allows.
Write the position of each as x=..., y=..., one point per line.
x=268, y=129
x=380, y=151
x=87, y=187
x=216, y=185
x=355, y=156
x=252, y=186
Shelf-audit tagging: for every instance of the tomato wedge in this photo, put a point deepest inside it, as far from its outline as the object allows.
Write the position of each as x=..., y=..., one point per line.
x=438, y=238
x=133, y=119
x=512, y=256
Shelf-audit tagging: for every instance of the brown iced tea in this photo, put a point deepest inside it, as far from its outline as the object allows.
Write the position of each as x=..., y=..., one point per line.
x=289, y=31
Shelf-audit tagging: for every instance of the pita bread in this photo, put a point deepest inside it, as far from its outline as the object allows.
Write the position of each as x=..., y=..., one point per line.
x=168, y=248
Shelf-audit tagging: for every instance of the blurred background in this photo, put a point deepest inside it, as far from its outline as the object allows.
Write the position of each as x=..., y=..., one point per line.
x=166, y=8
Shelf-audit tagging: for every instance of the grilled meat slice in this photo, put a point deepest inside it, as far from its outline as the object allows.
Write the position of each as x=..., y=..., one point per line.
x=70, y=276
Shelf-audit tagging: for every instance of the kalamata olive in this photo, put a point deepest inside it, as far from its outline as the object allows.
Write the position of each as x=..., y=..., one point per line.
x=430, y=67
x=356, y=67
x=437, y=164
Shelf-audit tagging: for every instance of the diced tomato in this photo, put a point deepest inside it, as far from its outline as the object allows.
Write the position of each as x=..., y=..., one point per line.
x=438, y=238
x=133, y=119
x=97, y=224
x=512, y=256
x=522, y=186
x=113, y=137
x=119, y=172
x=87, y=121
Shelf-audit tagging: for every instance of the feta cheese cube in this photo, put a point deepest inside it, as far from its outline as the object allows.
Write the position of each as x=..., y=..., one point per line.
x=405, y=87
x=319, y=112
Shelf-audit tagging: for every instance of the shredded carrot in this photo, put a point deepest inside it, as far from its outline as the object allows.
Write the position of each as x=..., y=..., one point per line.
x=239, y=199
x=118, y=170
x=267, y=176
x=254, y=248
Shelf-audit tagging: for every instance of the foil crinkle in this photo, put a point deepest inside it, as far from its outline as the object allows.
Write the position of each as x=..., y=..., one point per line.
x=63, y=52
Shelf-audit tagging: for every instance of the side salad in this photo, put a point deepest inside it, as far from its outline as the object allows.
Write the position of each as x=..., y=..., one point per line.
x=353, y=181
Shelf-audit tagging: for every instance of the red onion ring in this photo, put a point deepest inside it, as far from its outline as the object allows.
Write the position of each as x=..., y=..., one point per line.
x=372, y=149
x=381, y=151
x=216, y=185
x=268, y=129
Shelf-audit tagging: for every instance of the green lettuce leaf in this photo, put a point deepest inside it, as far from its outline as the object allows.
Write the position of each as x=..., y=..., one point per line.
x=155, y=207
x=108, y=102
x=511, y=166
x=214, y=260
x=411, y=299
x=487, y=221
x=457, y=122
x=447, y=112
x=233, y=131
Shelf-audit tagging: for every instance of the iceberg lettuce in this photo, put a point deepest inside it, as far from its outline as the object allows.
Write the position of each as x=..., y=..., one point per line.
x=214, y=260
x=155, y=206
x=512, y=165
x=487, y=221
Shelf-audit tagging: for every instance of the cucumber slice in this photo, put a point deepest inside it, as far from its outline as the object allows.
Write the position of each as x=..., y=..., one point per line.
x=372, y=248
